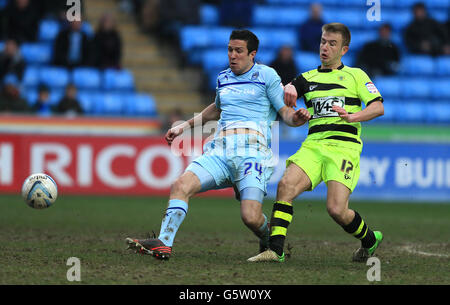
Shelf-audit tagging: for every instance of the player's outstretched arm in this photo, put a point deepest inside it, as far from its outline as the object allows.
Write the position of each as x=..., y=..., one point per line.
x=208, y=114
x=290, y=95
x=294, y=118
x=375, y=109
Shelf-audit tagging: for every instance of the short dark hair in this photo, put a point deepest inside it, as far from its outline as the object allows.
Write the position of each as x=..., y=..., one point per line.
x=336, y=27
x=248, y=36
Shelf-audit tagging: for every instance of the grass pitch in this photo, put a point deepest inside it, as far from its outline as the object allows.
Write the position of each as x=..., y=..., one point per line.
x=213, y=244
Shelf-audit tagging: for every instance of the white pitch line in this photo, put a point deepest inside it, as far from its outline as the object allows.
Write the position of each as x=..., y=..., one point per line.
x=412, y=251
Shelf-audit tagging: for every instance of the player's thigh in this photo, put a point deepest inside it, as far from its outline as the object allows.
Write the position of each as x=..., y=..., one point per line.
x=341, y=165
x=307, y=169
x=186, y=185
x=294, y=182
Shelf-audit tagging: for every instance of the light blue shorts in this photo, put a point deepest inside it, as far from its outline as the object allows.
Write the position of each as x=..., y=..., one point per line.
x=240, y=160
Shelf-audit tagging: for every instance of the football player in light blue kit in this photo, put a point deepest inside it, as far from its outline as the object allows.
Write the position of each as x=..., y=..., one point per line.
x=248, y=98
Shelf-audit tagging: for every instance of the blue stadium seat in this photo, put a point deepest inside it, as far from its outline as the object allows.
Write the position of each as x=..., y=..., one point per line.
x=215, y=59
x=416, y=88
x=54, y=77
x=418, y=65
x=440, y=88
x=265, y=56
x=87, y=78
x=359, y=38
x=264, y=15
x=140, y=105
x=87, y=100
x=440, y=113
x=31, y=76
x=30, y=95
x=209, y=14
x=108, y=104
x=37, y=53
x=389, y=86
x=275, y=38
x=220, y=36
x=48, y=30
x=398, y=18
x=353, y=17
x=2, y=45
x=118, y=80
x=443, y=65
x=306, y=61
x=411, y=112
x=192, y=37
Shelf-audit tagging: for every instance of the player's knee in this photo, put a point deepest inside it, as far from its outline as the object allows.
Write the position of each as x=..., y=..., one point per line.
x=181, y=188
x=251, y=220
x=337, y=212
x=285, y=189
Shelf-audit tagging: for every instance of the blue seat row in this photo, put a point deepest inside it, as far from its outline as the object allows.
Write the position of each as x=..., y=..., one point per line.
x=50, y=28
x=415, y=111
x=103, y=103
x=414, y=87
x=437, y=4
x=83, y=78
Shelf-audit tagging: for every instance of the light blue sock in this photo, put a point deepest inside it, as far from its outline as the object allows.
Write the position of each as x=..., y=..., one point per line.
x=175, y=213
x=265, y=233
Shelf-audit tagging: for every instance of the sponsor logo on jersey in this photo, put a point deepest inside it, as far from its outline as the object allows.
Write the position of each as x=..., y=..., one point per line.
x=371, y=88
x=323, y=106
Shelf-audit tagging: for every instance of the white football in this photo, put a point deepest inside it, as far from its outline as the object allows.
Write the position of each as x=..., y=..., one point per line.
x=39, y=191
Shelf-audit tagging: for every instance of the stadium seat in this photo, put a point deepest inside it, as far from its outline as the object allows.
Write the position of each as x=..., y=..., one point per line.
x=48, y=30
x=306, y=61
x=86, y=78
x=440, y=88
x=108, y=104
x=443, y=65
x=398, y=18
x=216, y=59
x=264, y=15
x=360, y=38
x=440, y=113
x=416, y=88
x=37, y=53
x=87, y=100
x=352, y=17
x=31, y=76
x=118, y=80
x=389, y=86
x=2, y=45
x=54, y=77
x=411, y=112
x=265, y=56
x=192, y=37
x=220, y=36
x=418, y=65
x=209, y=14
x=140, y=105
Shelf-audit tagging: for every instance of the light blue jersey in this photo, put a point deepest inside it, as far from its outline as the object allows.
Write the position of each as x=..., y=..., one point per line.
x=251, y=100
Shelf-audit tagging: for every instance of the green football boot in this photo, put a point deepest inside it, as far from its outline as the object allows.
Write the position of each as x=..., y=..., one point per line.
x=362, y=254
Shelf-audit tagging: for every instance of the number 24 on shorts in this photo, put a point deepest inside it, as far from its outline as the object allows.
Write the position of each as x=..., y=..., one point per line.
x=248, y=166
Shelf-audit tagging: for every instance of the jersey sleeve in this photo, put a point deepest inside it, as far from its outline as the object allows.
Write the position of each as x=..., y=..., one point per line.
x=367, y=92
x=274, y=89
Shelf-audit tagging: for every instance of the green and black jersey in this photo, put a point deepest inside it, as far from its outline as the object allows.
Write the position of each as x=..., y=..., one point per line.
x=346, y=87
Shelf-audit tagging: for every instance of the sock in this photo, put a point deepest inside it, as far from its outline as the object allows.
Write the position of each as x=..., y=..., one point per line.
x=281, y=218
x=264, y=233
x=358, y=228
x=174, y=216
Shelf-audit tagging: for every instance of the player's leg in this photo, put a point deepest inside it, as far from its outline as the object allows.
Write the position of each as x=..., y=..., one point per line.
x=341, y=174
x=294, y=182
x=253, y=216
x=195, y=179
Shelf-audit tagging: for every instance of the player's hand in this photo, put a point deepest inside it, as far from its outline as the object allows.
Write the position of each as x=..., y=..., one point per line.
x=290, y=95
x=301, y=116
x=342, y=113
x=172, y=133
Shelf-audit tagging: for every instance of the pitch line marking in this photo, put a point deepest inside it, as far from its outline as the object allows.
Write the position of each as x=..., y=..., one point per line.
x=410, y=249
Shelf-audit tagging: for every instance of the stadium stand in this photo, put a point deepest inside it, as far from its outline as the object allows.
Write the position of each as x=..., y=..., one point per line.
x=422, y=79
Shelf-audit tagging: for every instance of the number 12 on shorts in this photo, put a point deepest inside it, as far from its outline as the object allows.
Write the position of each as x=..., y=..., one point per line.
x=346, y=169
x=248, y=166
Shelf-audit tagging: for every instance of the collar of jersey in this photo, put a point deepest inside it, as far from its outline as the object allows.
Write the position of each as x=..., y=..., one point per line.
x=243, y=74
x=329, y=70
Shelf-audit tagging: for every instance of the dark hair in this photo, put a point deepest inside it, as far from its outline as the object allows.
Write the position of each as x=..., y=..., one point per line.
x=336, y=27
x=249, y=37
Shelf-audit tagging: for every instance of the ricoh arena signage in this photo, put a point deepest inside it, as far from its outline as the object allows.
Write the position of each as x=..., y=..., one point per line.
x=144, y=165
